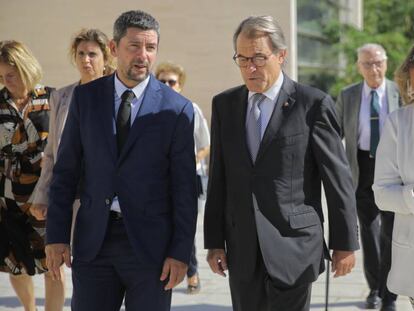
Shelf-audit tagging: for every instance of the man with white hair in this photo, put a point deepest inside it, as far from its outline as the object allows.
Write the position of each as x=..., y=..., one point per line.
x=273, y=142
x=362, y=109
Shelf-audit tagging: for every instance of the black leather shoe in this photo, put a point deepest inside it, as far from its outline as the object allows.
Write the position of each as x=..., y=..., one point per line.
x=388, y=306
x=373, y=301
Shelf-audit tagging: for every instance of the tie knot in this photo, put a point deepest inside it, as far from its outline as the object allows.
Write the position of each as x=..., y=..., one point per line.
x=128, y=96
x=374, y=93
x=258, y=98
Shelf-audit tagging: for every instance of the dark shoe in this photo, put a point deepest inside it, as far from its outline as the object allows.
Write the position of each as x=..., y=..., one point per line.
x=373, y=300
x=388, y=306
x=193, y=286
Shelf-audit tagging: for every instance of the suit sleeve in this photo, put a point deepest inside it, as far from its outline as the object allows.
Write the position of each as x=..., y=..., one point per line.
x=42, y=186
x=214, y=234
x=183, y=186
x=65, y=178
x=391, y=194
x=336, y=176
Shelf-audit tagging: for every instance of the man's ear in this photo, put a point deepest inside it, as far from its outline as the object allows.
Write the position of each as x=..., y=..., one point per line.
x=281, y=56
x=113, y=48
x=358, y=65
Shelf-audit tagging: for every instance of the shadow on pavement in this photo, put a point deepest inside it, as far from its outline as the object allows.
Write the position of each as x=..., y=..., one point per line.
x=13, y=302
x=358, y=304
x=201, y=307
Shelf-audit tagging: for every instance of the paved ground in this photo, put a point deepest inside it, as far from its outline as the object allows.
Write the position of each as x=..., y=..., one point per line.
x=347, y=293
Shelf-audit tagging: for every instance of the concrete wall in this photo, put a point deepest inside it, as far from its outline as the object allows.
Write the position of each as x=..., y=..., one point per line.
x=195, y=33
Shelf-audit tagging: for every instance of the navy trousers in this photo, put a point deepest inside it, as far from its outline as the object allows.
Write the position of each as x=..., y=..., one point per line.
x=193, y=265
x=116, y=274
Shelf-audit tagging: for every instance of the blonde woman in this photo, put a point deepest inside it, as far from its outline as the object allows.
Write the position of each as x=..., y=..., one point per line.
x=24, y=126
x=89, y=51
x=394, y=181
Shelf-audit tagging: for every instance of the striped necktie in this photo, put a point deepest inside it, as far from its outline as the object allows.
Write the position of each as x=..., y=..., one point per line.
x=254, y=126
x=375, y=134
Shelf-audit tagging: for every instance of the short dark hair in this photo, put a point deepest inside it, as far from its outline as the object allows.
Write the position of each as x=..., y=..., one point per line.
x=137, y=19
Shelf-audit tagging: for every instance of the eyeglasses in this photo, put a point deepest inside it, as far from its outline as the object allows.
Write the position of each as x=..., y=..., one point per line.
x=169, y=82
x=257, y=60
x=369, y=65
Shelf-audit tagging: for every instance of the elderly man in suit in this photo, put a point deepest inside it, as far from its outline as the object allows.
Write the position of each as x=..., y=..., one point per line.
x=362, y=109
x=273, y=141
x=130, y=139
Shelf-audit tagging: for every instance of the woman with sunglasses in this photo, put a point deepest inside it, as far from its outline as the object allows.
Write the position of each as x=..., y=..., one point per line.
x=394, y=181
x=174, y=76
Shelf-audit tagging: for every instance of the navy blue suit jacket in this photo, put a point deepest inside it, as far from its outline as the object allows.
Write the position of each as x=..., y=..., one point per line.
x=153, y=177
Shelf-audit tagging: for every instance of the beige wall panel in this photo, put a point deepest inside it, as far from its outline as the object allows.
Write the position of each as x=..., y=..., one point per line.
x=195, y=33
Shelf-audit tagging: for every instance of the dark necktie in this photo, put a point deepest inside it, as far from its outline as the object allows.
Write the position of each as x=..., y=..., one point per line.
x=254, y=126
x=375, y=112
x=123, y=119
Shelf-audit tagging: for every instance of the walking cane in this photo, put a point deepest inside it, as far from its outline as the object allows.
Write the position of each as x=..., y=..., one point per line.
x=327, y=286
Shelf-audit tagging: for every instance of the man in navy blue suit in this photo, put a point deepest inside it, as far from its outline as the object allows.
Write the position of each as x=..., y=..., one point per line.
x=128, y=144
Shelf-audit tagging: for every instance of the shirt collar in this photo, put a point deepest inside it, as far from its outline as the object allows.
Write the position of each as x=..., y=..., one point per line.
x=120, y=88
x=273, y=91
x=367, y=90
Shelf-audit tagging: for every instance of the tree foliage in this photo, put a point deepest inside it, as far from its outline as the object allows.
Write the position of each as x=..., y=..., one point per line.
x=387, y=22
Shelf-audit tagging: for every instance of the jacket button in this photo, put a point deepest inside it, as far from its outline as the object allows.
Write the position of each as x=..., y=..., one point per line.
x=107, y=201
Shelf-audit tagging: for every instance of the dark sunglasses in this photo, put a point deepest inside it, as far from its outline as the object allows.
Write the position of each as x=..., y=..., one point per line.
x=169, y=82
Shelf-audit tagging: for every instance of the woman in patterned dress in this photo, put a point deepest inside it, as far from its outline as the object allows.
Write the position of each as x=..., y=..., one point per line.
x=24, y=125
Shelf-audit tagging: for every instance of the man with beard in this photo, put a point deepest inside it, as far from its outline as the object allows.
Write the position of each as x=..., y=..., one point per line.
x=129, y=140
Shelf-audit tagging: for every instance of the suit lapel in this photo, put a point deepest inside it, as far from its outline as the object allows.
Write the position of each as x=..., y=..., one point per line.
x=106, y=109
x=392, y=96
x=150, y=106
x=283, y=107
x=240, y=102
x=353, y=110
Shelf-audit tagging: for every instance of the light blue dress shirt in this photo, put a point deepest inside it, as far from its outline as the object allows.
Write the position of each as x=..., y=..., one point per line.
x=268, y=104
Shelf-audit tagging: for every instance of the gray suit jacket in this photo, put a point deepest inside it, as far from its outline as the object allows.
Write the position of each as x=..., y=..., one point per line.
x=348, y=106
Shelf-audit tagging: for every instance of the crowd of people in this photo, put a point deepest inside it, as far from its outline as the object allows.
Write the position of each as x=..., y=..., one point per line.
x=92, y=170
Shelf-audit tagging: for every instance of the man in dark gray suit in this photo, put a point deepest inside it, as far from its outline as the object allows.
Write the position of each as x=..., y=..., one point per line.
x=362, y=109
x=273, y=141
